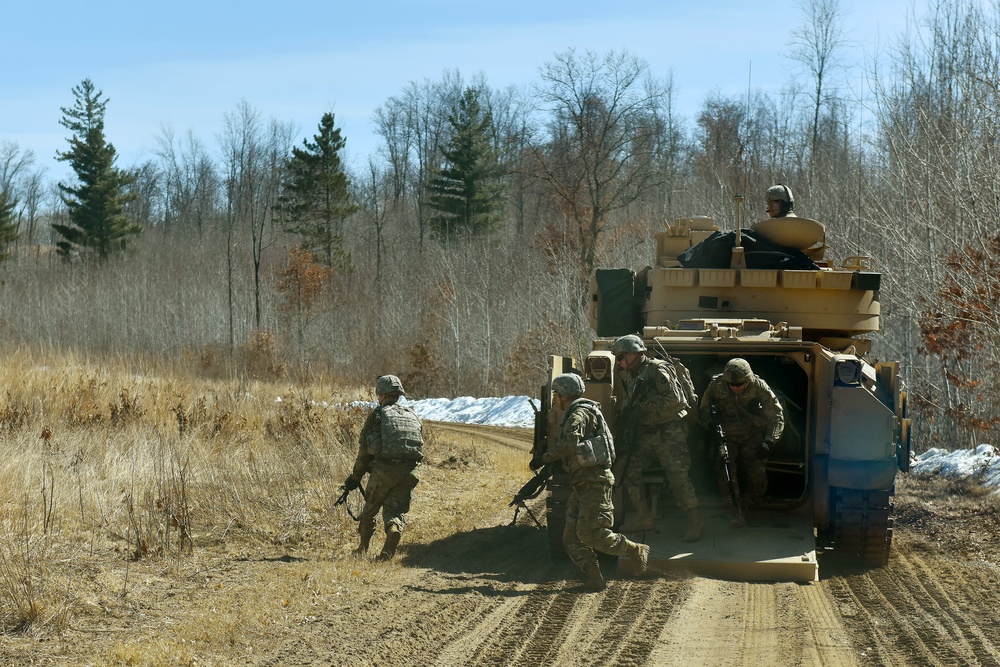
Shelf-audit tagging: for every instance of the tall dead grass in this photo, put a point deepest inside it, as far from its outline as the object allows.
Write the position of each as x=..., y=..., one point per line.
x=104, y=464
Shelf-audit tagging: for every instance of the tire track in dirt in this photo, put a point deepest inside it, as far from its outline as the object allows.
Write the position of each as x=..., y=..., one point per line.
x=555, y=624
x=627, y=624
x=759, y=633
x=531, y=630
x=957, y=592
x=920, y=610
x=744, y=624
x=824, y=641
x=390, y=628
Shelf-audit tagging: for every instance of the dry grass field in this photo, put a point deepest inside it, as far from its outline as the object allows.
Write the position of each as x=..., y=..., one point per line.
x=139, y=510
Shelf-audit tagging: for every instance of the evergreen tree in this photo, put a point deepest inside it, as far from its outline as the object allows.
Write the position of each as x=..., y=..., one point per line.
x=467, y=194
x=8, y=227
x=315, y=199
x=96, y=204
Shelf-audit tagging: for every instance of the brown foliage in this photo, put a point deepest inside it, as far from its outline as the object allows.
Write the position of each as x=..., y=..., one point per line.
x=425, y=371
x=301, y=281
x=961, y=326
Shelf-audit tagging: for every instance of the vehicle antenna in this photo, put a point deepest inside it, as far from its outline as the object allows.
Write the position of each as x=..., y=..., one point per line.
x=738, y=260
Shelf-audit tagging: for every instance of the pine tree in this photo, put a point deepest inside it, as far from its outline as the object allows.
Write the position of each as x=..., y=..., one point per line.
x=315, y=199
x=467, y=194
x=8, y=226
x=98, y=221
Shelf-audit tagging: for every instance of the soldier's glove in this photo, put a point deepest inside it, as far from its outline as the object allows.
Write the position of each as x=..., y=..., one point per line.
x=350, y=484
x=764, y=450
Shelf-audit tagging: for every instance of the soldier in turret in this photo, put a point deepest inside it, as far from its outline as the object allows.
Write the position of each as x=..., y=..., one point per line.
x=780, y=201
x=653, y=415
x=586, y=451
x=752, y=419
x=390, y=450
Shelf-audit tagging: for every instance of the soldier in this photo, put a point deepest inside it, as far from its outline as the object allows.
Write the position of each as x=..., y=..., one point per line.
x=653, y=415
x=586, y=451
x=780, y=202
x=390, y=451
x=752, y=420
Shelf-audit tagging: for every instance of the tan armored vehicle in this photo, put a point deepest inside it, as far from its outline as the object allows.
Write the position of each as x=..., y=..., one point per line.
x=800, y=321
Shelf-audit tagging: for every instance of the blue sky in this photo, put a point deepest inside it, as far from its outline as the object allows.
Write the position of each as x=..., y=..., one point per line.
x=187, y=64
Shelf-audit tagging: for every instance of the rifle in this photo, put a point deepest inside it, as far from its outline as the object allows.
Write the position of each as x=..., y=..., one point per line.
x=626, y=426
x=343, y=499
x=731, y=478
x=531, y=490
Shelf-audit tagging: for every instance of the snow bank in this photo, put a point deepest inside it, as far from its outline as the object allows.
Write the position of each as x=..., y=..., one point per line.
x=981, y=465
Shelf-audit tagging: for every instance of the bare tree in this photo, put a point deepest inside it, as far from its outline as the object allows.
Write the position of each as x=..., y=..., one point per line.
x=254, y=158
x=600, y=149
x=817, y=43
x=391, y=123
x=191, y=182
x=22, y=185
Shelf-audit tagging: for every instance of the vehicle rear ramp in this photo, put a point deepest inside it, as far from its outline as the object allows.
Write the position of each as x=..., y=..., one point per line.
x=781, y=548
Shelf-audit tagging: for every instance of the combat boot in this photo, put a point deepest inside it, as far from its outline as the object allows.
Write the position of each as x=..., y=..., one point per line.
x=695, y=525
x=362, y=549
x=642, y=520
x=593, y=580
x=640, y=553
x=391, y=542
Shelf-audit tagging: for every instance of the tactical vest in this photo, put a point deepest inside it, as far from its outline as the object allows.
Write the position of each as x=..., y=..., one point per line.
x=599, y=449
x=400, y=436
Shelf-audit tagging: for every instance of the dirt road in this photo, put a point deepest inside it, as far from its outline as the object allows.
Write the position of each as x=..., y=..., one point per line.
x=492, y=597
x=487, y=593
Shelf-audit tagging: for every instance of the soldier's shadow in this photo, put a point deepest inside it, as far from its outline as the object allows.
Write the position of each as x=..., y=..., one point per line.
x=499, y=560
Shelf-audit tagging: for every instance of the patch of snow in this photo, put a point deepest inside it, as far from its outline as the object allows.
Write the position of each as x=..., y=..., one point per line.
x=982, y=465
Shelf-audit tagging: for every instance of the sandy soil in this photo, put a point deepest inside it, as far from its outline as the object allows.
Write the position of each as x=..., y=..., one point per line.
x=492, y=596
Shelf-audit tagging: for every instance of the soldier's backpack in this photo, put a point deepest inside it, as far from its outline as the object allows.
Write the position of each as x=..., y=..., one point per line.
x=400, y=436
x=685, y=381
x=598, y=450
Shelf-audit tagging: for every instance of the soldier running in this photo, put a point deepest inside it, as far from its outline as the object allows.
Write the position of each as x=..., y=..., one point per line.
x=390, y=451
x=586, y=451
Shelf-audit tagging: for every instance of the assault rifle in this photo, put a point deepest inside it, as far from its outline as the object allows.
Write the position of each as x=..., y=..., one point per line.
x=343, y=499
x=626, y=425
x=534, y=486
x=727, y=462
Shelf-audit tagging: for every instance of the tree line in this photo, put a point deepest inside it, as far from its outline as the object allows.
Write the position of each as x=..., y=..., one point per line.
x=458, y=255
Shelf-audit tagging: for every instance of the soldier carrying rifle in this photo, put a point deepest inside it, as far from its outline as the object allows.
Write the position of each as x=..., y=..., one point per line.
x=390, y=450
x=752, y=421
x=653, y=417
x=585, y=449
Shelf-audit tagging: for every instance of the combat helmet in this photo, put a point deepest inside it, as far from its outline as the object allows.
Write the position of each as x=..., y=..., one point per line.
x=568, y=384
x=388, y=384
x=737, y=371
x=783, y=194
x=629, y=343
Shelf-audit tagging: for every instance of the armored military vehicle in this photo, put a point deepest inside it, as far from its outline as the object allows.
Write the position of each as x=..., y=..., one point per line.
x=769, y=295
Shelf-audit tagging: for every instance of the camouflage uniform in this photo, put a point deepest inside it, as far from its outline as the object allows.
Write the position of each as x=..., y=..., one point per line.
x=589, y=512
x=660, y=431
x=390, y=482
x=748, y=418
